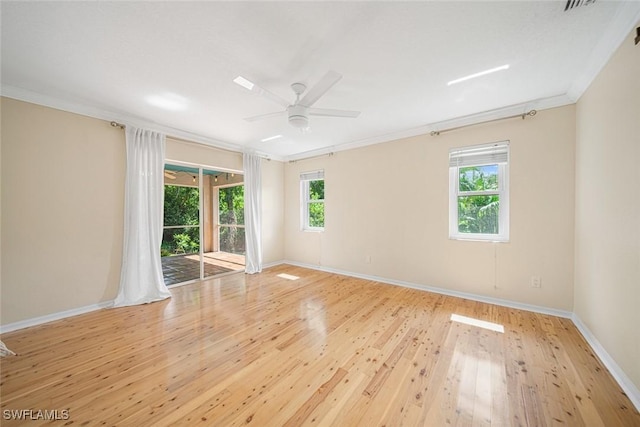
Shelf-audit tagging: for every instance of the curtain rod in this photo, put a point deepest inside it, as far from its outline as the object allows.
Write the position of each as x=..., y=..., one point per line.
x=121, y=126
x=179, y=139
x=530, y=113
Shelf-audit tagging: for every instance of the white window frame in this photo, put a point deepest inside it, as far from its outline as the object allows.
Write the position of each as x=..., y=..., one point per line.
x=305, y=199
x=480, y=155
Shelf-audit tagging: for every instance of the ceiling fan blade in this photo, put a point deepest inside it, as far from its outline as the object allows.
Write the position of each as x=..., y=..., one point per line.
x=253, y=87
x=264, y=116
x=326, y=112
x=169, y=175
x=326, y=83
x=271, y=96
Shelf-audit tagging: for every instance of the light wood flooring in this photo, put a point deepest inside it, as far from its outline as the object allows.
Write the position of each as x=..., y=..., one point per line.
x=322, y=350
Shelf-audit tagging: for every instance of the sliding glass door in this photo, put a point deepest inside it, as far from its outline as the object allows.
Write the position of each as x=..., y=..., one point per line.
x=203, y=233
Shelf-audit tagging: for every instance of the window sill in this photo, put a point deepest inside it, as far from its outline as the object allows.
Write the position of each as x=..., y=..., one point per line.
x=479, y=239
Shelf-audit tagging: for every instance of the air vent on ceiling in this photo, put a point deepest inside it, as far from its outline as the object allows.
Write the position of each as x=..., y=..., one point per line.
x=572, y=4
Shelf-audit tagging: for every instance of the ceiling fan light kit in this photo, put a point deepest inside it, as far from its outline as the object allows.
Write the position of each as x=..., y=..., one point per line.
x=298, y=116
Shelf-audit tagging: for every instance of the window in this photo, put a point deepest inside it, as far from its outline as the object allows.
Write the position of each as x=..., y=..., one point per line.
x=479, y=192
x=312, y=200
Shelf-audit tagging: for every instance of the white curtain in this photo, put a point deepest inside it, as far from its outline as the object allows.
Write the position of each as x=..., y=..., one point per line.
x=252, y=212
x=4, y=351
x=141, y=278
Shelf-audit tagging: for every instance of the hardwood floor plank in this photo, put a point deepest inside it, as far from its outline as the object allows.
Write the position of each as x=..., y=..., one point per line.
x=389, y=364
x=316, y=399
x=349, y=405
x=309, y=348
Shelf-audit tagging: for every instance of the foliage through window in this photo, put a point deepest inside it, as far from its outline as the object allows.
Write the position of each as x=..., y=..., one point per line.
x=478, y=192
x=231, y=219
x=312, y=200
x=181, y=233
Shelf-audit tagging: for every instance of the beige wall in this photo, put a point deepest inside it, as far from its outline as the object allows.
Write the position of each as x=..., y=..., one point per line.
x=62, y=210
x=200, y=154
x=607, y=262
x=62, y=197
x=0, y=212
x=390, y=202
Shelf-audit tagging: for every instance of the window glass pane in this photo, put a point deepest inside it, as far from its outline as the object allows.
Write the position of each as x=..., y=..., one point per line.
x=478, y=178
x=232, y=240
x=180, y=205
x=231, y=202
x=316, y=214
x=316, y=190
x=478, y=214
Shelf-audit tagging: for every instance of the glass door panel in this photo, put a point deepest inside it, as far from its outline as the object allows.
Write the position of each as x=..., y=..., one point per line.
x=180, y=249
x=226, y=251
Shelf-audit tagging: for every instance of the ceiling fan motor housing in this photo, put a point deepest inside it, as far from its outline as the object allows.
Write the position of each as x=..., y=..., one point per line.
x=298, y=116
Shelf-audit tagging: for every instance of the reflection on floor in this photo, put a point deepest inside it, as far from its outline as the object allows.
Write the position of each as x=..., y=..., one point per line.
x=182, y=268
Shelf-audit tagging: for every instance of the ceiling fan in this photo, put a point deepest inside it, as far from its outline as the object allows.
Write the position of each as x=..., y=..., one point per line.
x=298, y=113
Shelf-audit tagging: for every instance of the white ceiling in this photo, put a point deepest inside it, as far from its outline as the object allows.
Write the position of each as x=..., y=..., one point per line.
x=106, y=59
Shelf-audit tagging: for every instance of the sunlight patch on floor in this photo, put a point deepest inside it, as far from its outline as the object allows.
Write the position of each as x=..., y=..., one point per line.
x=288, y=276
x=476, y=322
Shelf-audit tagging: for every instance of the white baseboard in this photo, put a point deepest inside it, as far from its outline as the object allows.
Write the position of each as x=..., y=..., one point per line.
x=434, y=289
x=273, y=264
x=10, y=327
x=618, y=374
x=53, y=316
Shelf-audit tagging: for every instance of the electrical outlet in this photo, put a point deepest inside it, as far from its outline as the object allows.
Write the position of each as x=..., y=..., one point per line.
x=536, y=282
x=367, y=259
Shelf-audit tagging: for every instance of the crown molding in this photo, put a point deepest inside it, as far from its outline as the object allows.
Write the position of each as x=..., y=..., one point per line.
x=503, y=112
x=120, y=117
x=104, y=114
x=625, y=20
x=473, y=119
